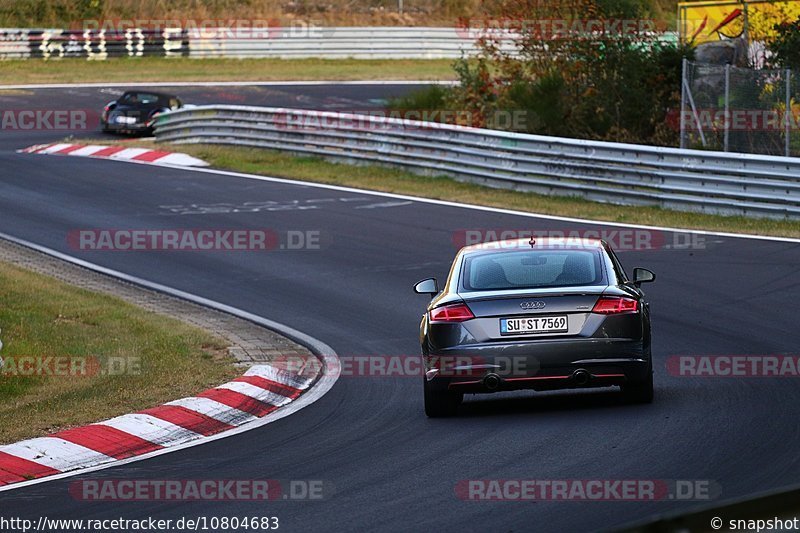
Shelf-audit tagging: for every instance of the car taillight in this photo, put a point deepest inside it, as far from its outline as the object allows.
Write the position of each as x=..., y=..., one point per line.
x=451, y=313
x=611, y=305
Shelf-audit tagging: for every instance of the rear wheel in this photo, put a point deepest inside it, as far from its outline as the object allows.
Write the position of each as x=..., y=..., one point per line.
x=439, y=404
x=640, y=391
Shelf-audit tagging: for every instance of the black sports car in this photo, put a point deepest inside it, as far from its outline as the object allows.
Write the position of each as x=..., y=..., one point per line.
x=538, y=314
x=135, y=111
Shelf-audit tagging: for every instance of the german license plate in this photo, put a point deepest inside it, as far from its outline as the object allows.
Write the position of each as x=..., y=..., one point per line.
x=532, y=325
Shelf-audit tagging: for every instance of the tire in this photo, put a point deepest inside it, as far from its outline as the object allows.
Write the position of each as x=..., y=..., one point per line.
x=440, y=404
x=640, y=391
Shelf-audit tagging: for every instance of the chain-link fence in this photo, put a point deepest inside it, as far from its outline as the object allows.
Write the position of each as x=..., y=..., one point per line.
x=740, y=110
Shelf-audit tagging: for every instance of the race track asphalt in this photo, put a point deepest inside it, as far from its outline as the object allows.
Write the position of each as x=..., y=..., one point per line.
x=384, y=464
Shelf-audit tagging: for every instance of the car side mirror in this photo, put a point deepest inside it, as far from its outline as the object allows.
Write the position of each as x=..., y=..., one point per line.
x=427, y=286
x=642, y=275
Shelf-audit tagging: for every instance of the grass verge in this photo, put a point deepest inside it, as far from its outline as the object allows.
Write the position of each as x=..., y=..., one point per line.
x=151, y=69
x=394, y=180
x=147, y=359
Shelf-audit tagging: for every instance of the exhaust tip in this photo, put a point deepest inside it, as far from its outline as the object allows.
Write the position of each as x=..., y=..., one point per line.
x=492, y=382
x=581, y=376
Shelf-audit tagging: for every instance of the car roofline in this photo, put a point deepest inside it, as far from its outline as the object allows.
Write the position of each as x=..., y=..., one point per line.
x=545, y=243
x=156, y=93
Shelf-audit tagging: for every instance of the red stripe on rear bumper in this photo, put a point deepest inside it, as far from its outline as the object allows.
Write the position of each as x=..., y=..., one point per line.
x=109, y=441
x=238, y=401
x=188, y=419
x=14, y=469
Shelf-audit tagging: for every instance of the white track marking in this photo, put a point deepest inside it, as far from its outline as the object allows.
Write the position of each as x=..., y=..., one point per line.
x=88, y=150
x=129, y=153
x=181, y=160
x=275, y=374
x=53, y=148
x=257, y=393
x=56, y=453
x=151, y=428
x=215, y=409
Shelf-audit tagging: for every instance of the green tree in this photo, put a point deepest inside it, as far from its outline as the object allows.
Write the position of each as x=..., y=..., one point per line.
x=785, y=47
x=573, y=73
x=598, y=79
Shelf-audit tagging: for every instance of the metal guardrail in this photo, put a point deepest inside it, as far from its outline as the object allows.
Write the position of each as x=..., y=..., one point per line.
x=91, y=44
x=367, y=42
x=689, y=180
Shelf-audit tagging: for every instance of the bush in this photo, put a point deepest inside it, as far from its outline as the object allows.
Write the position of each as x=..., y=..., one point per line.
x=786, y=46
x=600, y=86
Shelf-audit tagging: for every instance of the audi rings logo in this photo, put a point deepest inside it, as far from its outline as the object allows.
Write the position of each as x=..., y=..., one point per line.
x=534, y=304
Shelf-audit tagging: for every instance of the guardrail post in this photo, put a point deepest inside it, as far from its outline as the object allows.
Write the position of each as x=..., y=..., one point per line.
x=683, y=103
x=695, y=114
x=788, y=112
x=727, y=106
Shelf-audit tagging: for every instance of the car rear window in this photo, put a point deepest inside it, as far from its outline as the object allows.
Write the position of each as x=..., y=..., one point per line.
x=139, y=98
x=532, y=269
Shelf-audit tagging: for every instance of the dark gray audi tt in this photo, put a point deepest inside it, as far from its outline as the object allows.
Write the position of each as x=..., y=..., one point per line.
x=538, y=314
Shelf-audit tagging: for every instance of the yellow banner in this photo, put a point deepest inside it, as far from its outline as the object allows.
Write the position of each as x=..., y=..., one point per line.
x=702, y=22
